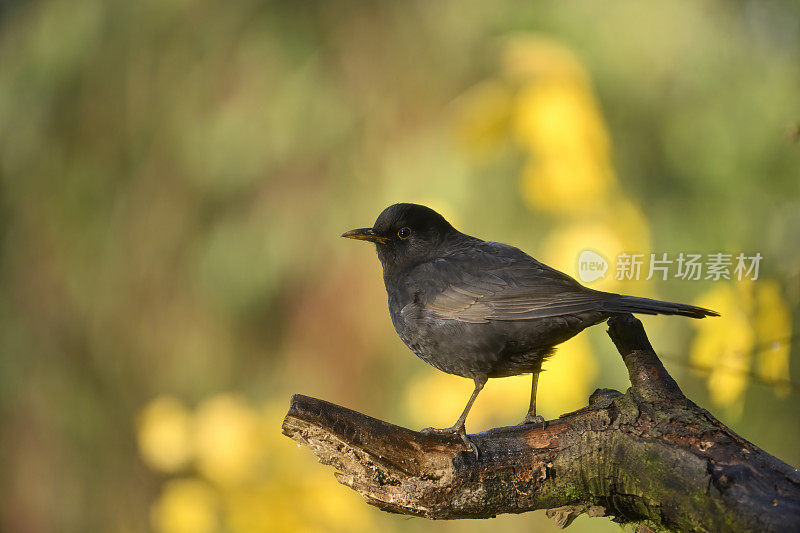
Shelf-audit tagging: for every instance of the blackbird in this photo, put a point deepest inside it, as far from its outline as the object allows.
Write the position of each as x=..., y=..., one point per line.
x=482, y=309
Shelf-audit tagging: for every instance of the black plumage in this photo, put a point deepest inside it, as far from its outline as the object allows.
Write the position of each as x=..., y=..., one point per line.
x=482, y=309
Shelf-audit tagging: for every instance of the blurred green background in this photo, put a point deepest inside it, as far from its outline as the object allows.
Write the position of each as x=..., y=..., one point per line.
x=174, y=176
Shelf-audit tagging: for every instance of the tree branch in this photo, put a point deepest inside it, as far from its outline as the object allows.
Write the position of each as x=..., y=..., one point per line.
x=648, y=455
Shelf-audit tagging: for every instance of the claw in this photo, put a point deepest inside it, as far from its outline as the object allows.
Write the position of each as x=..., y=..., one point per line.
x=469, y=443
x=537, y=419
x=460, y=431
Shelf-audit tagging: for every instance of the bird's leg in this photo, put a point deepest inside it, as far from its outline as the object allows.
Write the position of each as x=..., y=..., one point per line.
x=532, y=417
x=459, y=428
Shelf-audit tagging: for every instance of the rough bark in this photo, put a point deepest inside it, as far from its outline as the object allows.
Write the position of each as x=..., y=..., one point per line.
x=649, y=455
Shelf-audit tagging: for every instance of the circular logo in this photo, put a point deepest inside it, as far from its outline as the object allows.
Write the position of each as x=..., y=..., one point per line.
x=591, y=266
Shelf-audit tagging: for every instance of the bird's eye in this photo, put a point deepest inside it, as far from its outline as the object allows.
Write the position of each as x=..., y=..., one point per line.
x=404, y=233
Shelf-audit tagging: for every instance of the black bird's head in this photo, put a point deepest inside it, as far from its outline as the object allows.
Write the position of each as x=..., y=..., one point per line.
x=405, y=235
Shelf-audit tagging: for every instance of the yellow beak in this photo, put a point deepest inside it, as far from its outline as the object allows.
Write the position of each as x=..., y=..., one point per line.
x=364, y=234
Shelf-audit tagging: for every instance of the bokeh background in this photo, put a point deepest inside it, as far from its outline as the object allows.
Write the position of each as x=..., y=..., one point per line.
x=174, y=176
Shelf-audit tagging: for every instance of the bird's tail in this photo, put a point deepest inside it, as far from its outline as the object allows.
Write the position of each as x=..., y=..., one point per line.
x=634, y=304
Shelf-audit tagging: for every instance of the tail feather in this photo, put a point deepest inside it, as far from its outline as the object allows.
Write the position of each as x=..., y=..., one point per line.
x=635, y=304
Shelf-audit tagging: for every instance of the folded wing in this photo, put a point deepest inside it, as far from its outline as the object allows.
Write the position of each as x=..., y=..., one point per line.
x=478, y=287
x=483, y=287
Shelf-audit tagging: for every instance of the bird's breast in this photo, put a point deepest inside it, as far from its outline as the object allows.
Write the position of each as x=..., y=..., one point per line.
x=463, y=348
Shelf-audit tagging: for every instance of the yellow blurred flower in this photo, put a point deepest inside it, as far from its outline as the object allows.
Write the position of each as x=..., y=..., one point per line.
x=284, y=492
x=503, y=401
x=557, y=119
x=570, y=168
x=227, y=443
x=435, y=399
x=185, y=506
x=724, y=345
x=560, y=117
x=568, y=378
x=773, y=328
x=278, y=450
x=164, y=435
x=266, y=507
x=569, y=182
x=336, y=508
x=754, y=328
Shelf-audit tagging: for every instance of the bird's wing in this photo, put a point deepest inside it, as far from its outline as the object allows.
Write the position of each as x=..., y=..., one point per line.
x=478, y=287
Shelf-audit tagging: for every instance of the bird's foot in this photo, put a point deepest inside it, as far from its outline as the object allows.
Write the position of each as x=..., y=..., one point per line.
x=454, y=430
x=534, y=419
